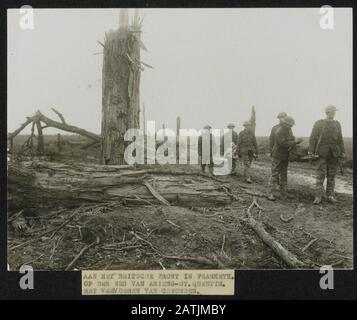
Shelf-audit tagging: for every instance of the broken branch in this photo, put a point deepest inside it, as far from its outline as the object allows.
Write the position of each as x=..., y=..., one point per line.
x=174, y=224
x=101, y=43
x=59, y=115
x=309, y=244
x=156, y=194
x=81, y=254
x=146, y=241
x=17, y=131
x=290, y=259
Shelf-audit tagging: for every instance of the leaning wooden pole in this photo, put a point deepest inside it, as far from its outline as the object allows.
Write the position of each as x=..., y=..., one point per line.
x=120, y=87
x=178, y=126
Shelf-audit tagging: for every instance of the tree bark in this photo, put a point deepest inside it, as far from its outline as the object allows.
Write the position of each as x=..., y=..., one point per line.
x=120, y=91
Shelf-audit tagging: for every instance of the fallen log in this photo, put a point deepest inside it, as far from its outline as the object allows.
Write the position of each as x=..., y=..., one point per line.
x=49, y=184
x=290, y=259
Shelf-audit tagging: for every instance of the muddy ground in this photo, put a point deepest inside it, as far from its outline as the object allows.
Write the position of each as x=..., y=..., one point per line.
x=116, y=236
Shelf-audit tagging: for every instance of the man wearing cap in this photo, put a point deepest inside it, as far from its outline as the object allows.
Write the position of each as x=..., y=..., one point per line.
x=326, y=141
x=206, y=148
x=234, y=139
x=247, y=148
x=284, y=141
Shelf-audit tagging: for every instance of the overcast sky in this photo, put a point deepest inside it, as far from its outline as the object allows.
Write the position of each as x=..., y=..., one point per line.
x=210, y=66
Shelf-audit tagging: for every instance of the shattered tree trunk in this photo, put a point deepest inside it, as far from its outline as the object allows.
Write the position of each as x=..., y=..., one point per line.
x=49, y=184
x=120, y=91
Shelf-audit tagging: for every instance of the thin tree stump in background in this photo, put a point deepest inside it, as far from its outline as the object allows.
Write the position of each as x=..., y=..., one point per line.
x=40, y=142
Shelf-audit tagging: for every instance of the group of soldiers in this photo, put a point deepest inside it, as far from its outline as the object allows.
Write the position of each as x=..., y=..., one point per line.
x=243, y=146
x=326, y=147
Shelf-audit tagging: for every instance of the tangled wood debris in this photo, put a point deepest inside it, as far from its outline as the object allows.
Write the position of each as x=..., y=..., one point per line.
x=52, y=231
x=107, y=234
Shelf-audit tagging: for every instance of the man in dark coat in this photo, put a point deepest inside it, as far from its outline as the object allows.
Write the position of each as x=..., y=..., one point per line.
x=281, y=117
x=247, y=148
x=326, y=141
x=284, y=142
x=206, y=149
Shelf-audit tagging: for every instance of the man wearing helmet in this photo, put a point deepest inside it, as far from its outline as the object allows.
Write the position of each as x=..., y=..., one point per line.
x=281, y=117
x=326, y=141
x=247, y=148
x=284, y=141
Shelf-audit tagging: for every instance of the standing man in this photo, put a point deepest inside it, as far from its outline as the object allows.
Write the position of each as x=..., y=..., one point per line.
x=233, y=146
x=281, y=117
x=206, y=148
x=283, y=143
x=326, y=141
x=247, y=148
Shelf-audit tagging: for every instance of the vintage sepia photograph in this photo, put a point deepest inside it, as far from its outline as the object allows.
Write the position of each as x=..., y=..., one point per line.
x=166, y=139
